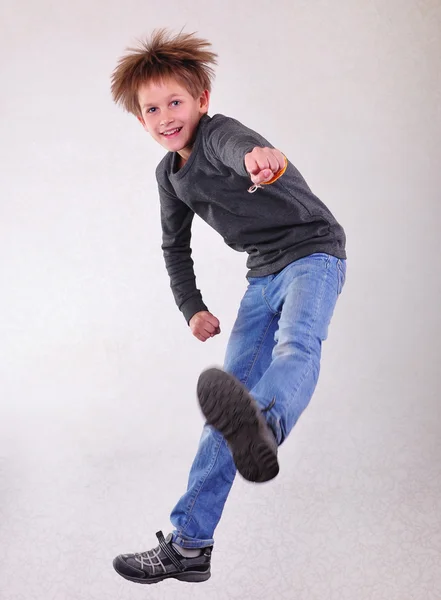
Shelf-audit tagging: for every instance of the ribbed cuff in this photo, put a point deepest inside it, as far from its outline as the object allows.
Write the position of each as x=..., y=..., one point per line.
x=191, y=306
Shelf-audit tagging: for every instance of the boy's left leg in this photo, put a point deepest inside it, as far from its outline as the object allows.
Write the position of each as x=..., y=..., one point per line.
x=303, y=295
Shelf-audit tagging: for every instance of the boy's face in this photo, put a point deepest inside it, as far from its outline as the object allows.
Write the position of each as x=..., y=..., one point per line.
x=171, y=115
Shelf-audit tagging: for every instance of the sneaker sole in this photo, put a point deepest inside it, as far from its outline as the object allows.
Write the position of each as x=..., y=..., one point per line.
x=186, y=576
x=229, y=408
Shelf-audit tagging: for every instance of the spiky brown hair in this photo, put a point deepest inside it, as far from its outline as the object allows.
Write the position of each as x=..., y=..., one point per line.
x=184, y=57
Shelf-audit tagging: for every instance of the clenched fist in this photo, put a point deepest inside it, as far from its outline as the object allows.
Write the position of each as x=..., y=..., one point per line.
x=263, y=163
x=204, y=325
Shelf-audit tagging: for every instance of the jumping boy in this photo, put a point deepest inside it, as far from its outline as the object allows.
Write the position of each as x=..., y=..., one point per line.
x=257, y=200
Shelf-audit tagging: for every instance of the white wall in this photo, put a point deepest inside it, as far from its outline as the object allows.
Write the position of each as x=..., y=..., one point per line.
x=99, y=421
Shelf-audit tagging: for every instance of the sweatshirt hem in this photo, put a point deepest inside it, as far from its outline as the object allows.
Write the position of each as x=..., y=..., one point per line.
x=277, y=266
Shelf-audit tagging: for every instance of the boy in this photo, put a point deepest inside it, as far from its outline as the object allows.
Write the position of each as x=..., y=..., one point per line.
x=297, y=267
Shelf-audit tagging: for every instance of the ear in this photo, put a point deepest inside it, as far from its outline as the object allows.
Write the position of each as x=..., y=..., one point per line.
x=204, y=101
x=141, y=120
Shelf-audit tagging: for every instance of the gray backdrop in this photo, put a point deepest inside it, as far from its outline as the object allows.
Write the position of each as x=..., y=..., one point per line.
x=99, y=420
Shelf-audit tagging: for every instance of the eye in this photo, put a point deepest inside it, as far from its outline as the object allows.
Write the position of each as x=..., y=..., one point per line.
x=151, y=110
x=176, y=102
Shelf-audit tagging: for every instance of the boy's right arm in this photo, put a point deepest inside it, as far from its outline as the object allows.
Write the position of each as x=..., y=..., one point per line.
x=176, y=221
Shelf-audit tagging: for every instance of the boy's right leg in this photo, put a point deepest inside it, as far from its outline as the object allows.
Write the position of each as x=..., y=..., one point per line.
x=199, y=510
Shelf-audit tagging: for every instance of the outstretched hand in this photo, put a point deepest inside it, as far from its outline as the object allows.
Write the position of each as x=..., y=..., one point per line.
x=263, y=163
x=204, y=325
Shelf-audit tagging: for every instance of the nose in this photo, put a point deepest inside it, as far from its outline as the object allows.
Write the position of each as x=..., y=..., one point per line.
x=166, y=118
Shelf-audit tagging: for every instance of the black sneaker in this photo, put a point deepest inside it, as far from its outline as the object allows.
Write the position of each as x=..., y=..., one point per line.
x=163, y=562
x=228, y=407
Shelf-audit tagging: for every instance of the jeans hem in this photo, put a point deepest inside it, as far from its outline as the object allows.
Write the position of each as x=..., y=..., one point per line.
x=190, y=543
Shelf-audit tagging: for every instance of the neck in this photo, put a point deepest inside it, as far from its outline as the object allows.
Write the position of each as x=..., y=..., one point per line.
x=184, y=154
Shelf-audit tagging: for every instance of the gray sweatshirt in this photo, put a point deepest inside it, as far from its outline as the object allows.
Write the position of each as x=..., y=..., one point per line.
x=278, y=224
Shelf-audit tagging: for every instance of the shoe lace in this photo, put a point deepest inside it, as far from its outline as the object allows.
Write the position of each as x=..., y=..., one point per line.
x=151, y=561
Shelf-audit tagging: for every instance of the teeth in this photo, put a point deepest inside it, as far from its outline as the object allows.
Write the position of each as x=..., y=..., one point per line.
x=171, y=132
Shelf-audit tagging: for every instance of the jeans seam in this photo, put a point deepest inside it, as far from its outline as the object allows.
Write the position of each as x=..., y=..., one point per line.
x=256, y=354
x=201, y=485
x=341, y=276
x=318, y=304
x=306, y=372
x=308, y=366
x=270, y=308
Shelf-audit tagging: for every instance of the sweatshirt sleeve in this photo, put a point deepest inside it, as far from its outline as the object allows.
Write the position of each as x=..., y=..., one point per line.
x=229, y=141
x=176, y=220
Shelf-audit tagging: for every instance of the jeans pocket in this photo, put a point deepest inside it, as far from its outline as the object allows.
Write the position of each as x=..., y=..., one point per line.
x=341, y=270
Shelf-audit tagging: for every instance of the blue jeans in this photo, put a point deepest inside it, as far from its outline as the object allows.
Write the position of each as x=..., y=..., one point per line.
x=274, y=350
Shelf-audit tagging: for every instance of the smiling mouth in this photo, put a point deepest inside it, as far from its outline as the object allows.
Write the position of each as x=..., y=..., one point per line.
x=171, y=132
